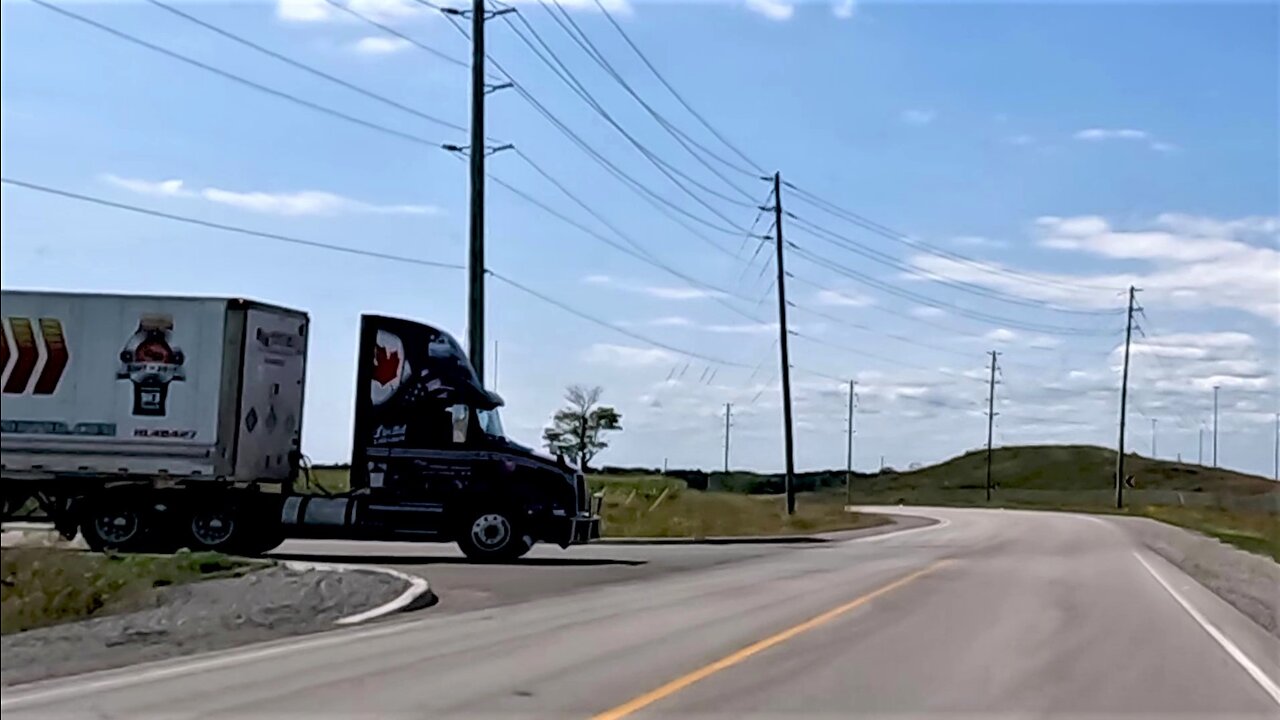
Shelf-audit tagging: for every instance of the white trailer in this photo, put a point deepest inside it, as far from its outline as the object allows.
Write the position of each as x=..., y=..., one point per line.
x=129, y=390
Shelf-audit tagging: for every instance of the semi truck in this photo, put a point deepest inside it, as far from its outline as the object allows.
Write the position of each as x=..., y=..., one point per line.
x=149, y=423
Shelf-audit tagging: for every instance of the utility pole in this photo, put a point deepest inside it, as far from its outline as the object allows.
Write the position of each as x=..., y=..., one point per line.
x=475, y=261
x=991, y=419
x=728, y=413
x=787, y=440
x=1276, y=471
x=1124, y=399
x=1200, y=444
x=848, y=467
x=1153, y=439
x=1215, y=426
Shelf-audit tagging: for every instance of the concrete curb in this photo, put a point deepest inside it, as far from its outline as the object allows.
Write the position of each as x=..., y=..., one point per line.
x=718, y=540
x=418, y=588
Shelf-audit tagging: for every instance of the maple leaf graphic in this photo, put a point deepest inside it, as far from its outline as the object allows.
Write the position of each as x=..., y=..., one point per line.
x=386, y=366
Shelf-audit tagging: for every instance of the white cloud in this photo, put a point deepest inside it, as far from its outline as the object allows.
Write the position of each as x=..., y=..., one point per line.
x=1002, y=335
x=627, y=356
x=926, y=311
x=661, y=292
x=679, y=293
x=772, y=9
x=844, y=9
x=743, y=328
x=1191, y=263
x=1021, y=139
x=164, y=188
x=671, y=321
x=843, y=299
x=918, y=118
x=1044, y=342
x=1100, y=134
x=303, y=10
x=1129, y=134
x=320, y=11
x=977, y=241
x=304, y=202
x=377, y=45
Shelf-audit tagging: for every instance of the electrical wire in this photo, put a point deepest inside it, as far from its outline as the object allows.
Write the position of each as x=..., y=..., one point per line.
x=306, y=68
x=224, y=227
x=237, y=78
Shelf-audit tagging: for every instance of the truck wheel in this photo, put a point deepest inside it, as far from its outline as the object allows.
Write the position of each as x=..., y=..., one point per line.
x=114, y=526
x=216, y=527
x=493, y=535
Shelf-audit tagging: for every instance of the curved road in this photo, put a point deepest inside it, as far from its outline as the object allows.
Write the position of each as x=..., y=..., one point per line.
x=988, y=614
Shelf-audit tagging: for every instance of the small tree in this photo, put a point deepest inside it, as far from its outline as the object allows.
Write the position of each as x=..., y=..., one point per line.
x=576, y=429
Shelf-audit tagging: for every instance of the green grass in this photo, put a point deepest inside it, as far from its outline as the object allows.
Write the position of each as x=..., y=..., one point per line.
x=46, y=586
x=1256, y=532
x=656, y=506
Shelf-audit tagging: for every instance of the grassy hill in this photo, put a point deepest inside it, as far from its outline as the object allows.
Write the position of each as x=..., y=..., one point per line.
x=1030, y=467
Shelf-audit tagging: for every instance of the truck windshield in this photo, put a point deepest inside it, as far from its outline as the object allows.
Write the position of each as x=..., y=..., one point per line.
x=490, y=422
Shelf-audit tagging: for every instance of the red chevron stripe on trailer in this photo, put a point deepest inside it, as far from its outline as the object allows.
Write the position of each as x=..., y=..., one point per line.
x=56, y=357
x=4, y=350
x=24, y=340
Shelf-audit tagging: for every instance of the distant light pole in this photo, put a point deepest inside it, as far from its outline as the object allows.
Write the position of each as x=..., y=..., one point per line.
x=1154, y=455
x=1215, y=426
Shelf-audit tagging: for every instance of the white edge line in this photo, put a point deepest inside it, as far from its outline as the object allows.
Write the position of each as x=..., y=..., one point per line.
x=1255, y=672
x=232, y=657
x=417, y=587
x=941, y=523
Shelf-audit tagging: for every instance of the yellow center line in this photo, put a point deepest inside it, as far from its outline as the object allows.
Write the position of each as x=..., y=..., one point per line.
x=642, y=701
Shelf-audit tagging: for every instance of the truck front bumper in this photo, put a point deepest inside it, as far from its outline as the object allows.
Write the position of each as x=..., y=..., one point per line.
x=583, y=527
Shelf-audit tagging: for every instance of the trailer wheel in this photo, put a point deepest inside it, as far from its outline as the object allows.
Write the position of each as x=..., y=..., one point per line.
x=492, y=535
x=114, y=526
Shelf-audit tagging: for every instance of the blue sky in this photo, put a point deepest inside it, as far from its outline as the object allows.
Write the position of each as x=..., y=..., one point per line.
x=1064, y=151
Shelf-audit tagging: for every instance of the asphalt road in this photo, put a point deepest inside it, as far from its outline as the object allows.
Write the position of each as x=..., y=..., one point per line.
x=989, y=614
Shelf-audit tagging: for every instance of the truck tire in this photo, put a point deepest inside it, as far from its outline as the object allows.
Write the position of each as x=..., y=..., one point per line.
x=493, y=535
x=116, y=525
x=216, y=527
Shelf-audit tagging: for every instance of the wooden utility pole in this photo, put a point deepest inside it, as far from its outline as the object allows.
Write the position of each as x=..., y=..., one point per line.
x=1124, y=398
x=991, y=419
x=787, y=441
x=475, y=259
x=1154, y=454
x=848, y=466
x=728, y=414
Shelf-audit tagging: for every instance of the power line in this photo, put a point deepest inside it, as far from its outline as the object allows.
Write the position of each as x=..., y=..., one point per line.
x=854, y=246
x=392, y=31
x=306, y=68
x=237, y=78
x=365, y=253
x=680, y=137
x=557, y=66
x=227, y=228
x=891, y=234
x=757, y=170
x=924, y=300
x=604, y=323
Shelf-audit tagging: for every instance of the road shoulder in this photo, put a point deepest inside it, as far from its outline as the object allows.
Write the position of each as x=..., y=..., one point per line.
x=1249, y=582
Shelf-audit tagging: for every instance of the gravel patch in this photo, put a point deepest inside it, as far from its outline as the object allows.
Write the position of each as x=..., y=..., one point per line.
x=1249, y=582
x=197, y=617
